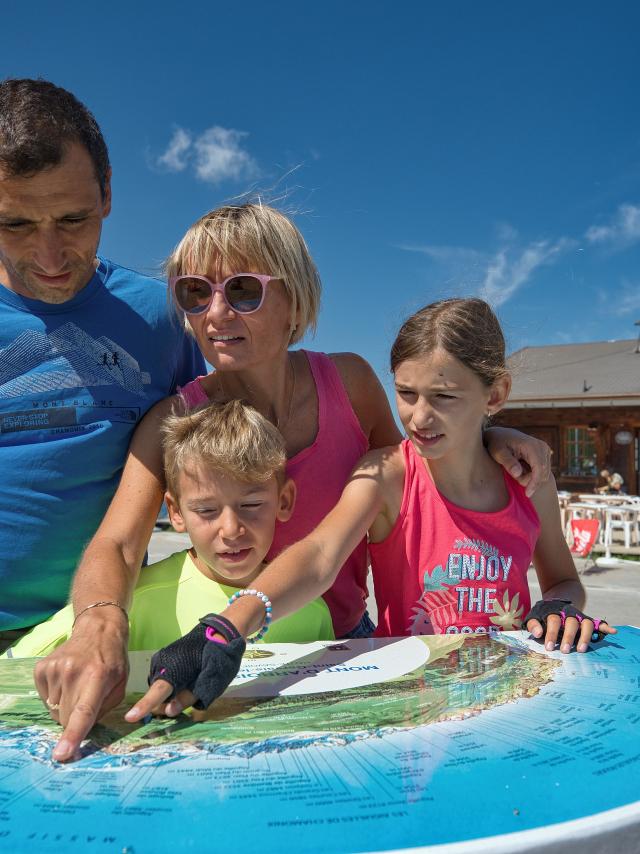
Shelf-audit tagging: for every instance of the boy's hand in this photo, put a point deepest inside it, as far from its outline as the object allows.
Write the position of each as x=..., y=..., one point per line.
x=560, y=622
x=193, y=670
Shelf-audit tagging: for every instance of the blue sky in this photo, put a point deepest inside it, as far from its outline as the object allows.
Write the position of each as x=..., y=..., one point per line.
x=427, y=149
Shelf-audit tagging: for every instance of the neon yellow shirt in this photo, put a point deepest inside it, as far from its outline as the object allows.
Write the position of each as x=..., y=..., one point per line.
x=168, y=601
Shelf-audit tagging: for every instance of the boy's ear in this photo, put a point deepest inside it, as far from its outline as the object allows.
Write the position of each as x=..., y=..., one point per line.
x=286, y=500
x=499, y=394
x=175, y=516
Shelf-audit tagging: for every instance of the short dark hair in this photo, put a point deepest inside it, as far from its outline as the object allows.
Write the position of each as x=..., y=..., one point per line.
x=38, y=121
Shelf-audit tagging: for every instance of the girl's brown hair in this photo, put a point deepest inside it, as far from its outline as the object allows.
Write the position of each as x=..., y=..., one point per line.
x=465, y=328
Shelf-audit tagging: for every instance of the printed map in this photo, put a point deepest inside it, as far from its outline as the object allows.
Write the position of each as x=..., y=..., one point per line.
x=367, y=745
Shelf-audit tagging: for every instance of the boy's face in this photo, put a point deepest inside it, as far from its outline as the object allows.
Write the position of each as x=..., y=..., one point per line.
x=230, y=523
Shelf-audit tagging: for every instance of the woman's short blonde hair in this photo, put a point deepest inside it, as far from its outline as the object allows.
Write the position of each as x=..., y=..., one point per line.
x=231, y=438
x=253, y=238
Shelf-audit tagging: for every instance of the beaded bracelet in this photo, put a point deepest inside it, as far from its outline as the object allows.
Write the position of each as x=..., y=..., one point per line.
x=264, y=628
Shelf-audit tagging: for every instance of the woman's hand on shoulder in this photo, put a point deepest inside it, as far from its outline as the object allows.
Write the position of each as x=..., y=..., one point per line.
x=527, y=459
x=368, y=399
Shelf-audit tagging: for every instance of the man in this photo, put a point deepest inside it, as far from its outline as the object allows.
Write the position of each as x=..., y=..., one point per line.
x=613, y=483
x=86, y=347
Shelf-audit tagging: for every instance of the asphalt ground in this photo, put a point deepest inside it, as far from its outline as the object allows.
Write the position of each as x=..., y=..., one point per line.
x=612, y=594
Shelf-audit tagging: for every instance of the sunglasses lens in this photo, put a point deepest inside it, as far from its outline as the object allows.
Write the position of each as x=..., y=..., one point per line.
x=192, y=295
x=244, y=293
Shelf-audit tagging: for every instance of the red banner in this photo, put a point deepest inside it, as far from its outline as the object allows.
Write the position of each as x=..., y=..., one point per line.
x=585, y=534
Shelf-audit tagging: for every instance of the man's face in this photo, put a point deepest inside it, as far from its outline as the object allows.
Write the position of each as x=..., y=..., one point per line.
x=50, y=227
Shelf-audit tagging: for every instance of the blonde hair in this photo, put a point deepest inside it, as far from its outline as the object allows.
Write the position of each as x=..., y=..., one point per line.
x=232, y=438
x=465, y=328
x=253, y=238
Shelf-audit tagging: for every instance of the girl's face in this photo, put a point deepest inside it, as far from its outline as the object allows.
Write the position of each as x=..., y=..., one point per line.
x=442, y=404
x=231, y=341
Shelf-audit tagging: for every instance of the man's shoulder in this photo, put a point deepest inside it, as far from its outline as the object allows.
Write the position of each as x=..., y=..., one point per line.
x=117, y=275
x=145, y=295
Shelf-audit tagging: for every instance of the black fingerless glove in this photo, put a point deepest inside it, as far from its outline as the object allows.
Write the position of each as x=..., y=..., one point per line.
x=220, y=664
x=563, y=609
x=200, y=665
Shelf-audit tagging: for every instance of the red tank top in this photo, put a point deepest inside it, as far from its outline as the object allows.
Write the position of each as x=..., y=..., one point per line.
x=445, y=569
x=320, y=472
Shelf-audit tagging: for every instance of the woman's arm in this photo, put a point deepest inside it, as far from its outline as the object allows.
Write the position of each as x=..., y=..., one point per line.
x=87, y=675
x=511, y=448
x=301, y=573
x=368, y=399
x=557, y=575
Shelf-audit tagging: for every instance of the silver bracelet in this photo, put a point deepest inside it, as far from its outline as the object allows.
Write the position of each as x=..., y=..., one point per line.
x=99, y=605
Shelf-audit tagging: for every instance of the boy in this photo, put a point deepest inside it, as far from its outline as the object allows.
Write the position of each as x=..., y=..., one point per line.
x=226, y=486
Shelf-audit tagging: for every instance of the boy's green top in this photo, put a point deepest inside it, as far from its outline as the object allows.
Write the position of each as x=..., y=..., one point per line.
x=168, y=601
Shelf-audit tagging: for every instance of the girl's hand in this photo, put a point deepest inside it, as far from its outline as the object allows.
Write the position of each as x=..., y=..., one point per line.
x=528, y=460
x=560, y=622
x=193, y=670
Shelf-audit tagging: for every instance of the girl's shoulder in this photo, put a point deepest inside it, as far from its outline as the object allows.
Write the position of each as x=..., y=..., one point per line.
x=385, y=466
x=389, y=459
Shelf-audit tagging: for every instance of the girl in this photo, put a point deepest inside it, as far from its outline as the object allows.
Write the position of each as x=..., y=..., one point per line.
x=451, y=534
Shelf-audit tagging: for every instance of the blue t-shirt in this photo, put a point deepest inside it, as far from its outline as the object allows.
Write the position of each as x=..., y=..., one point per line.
x=75, y=380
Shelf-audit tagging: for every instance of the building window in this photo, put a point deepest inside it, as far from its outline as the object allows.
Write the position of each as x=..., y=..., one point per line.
x=580, y=458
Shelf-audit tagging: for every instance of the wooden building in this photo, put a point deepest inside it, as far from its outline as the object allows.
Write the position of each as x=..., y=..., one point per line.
x=584, y=401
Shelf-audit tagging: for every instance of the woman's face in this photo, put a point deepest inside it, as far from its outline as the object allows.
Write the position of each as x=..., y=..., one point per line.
x=231, y=341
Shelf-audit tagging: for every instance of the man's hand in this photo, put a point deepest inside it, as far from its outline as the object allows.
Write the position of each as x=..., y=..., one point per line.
x=84, y=678
x=528, y=460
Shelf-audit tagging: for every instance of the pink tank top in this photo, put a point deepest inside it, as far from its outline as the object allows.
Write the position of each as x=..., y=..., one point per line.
x=320, y=472
x=445, y=569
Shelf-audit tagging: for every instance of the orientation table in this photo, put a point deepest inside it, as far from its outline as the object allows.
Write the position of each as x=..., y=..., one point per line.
x=452, y=744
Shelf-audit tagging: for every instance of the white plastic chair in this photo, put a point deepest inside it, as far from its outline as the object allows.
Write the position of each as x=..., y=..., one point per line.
x=620, y=520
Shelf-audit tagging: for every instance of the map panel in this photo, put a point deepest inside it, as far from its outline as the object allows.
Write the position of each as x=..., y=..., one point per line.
x=367, y=745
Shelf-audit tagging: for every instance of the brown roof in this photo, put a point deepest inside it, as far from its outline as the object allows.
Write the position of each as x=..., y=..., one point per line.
x=602, y=369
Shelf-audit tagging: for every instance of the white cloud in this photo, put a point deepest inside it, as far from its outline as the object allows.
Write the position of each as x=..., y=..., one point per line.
x=219, y=156
x=508, y=270
x=175, y=157
x=455, y=256
x=497, y=276
x=623, y=230
x=215, y=155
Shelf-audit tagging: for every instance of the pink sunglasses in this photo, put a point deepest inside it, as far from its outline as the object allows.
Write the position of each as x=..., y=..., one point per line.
x=243, y=292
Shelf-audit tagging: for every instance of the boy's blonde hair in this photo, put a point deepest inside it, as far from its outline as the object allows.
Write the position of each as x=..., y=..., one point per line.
x=253, y=238
x=232, y=438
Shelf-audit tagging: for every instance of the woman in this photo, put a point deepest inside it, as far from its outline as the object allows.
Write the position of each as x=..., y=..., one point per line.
x=248, y=289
